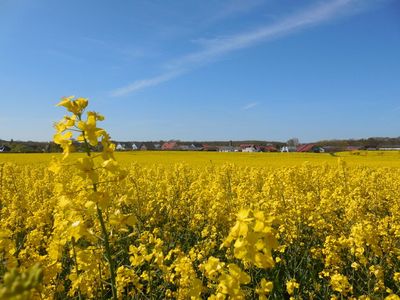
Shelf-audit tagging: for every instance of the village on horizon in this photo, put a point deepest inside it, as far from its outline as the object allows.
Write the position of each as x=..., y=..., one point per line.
x=292, y=145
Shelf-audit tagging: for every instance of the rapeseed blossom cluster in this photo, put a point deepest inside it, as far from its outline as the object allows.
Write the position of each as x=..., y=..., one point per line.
x=86, y=228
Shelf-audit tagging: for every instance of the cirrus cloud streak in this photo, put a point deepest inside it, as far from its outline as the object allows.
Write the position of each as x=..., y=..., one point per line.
x=215, y=48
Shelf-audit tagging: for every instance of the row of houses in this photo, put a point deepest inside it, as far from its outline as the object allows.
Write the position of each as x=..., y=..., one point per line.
x=318, y=149
x=304, y=148
x=310, y=147
x=158, y=146
x=175, y=146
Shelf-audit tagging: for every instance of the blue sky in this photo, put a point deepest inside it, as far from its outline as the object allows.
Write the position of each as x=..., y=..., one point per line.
x=203, y=70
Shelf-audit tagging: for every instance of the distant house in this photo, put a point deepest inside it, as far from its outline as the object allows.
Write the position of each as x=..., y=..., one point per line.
x=267, y=149
x=183, y=147
x=227, y=149
x=135, y=146
x=120, y=147
x=170, y=146
x=210, y=148
x=309, y=148
x=157, y=146
x=390, y=148
x=196, y=147
x=288, y=149
x=250, y=149
x=243, y=146
x=4, y=148
x=147, y=146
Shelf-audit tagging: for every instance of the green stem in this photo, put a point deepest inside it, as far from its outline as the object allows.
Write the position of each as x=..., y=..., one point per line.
x=106, y=242
x=76, y=265
x=106, y=245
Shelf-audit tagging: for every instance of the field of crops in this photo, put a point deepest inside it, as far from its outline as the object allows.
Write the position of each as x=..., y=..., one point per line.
x=196, y=225
x=389, y=159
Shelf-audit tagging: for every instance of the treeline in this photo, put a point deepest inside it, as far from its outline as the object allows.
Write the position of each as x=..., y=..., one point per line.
x=47, y=147
x=372, y=142
x=28, y=146
x=43, y=147
x=37, y=147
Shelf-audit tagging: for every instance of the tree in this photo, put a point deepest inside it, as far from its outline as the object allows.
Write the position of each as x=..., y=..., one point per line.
x=293, y=142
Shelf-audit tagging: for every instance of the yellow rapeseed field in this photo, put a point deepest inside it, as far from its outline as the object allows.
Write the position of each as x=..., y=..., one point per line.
x=389, y=159
x=182, y=225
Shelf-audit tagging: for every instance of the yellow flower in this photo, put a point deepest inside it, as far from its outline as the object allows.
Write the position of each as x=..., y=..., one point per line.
x=291, y=285
x=111, y=166
x=213, y=267
x=355, y=265
x=264, y=288
x=65, y=101
x=64, y=140
x=89, y=129
x=392, y=297
x=75, y=106
x=237, y=273
x=86, y=166
x=61, y=139
x=340, y=284
x=55, y=166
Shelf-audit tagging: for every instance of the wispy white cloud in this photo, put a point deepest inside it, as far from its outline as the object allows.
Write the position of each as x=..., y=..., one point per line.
x=215, y=48
x=250, y=105
x=144, y=83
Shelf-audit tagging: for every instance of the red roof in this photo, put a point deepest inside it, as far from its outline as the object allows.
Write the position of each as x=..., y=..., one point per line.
x=268, y=148
x=246, y=145
x=169, y=146
x=305, y=147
